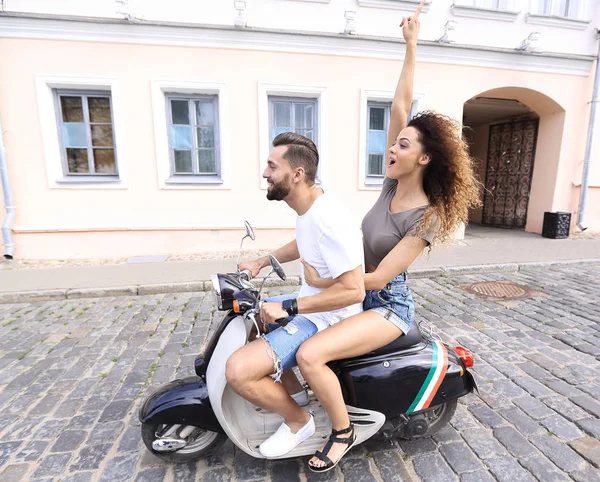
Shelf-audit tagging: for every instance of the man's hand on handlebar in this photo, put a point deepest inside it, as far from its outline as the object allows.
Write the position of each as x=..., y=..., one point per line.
x=253, y=266
x=271, y=312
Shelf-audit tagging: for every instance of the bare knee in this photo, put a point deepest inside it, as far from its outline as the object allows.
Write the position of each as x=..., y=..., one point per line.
x=234, y=371
x=308, y=359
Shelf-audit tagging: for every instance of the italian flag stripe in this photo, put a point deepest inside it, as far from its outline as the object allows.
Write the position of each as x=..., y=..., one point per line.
x=439, y=365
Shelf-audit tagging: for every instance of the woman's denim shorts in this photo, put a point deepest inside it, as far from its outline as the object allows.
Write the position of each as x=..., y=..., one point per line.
x=283, y=342
x=394, y=302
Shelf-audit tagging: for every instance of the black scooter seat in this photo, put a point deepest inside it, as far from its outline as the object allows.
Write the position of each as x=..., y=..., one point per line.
x=412, y=338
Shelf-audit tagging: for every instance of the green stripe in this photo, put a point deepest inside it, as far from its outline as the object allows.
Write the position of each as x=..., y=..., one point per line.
x=427, y=380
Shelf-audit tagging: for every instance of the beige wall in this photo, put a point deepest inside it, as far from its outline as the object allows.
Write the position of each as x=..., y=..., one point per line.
x=479, y=151
x=142, y=219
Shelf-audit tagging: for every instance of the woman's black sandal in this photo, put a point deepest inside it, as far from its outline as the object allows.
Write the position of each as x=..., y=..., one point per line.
x=322, y=456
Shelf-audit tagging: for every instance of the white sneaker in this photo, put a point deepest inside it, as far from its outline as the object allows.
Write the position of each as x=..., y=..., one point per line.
x=284, y=441
x=301, y=398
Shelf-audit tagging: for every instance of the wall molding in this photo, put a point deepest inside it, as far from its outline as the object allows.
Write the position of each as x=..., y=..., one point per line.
x=13, y=26
x=553, y=21
x=484, y=13
x=408, y=5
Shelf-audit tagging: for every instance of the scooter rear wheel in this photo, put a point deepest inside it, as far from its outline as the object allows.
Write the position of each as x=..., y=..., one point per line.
x=438, y=417
x=199, y=444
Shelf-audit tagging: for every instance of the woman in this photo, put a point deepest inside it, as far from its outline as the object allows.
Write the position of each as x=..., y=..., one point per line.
x=428, y=189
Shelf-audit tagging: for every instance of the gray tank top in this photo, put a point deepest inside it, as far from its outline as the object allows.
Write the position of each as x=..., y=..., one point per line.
x=383, y=230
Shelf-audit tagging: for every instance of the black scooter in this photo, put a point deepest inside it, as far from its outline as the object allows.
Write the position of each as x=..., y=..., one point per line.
x=407, y=389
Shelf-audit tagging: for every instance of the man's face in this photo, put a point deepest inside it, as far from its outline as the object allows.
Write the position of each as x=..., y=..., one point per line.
x=278, y=174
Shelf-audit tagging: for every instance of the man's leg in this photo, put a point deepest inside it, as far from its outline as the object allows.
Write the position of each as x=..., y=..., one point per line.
x=248, y=371
x=288, y=378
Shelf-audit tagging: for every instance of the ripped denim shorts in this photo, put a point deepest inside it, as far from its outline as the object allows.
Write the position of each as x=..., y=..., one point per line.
x=283, y=342
x=394, y=302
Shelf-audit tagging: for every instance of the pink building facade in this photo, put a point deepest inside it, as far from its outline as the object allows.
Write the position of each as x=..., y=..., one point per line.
x=140, y=133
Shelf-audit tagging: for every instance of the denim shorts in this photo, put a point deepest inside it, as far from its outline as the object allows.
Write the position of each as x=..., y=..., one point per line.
x=394, y=302
x=283, y=342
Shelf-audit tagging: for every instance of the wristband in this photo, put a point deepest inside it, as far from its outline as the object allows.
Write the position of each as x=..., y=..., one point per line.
x=291, y=306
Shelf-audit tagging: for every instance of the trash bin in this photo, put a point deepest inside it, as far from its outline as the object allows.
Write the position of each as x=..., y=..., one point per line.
x=556, y=225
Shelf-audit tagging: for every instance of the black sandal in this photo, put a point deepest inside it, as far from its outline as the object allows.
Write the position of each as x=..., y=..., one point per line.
x=322, y=456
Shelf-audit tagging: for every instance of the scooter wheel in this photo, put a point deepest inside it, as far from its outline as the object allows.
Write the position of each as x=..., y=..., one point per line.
x=199, y=444
x=437, y=418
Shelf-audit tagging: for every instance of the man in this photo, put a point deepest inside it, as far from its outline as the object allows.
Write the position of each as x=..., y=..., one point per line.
x=329, y=241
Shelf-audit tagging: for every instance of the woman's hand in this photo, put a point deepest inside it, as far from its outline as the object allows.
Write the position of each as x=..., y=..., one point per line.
x=312, y=278
x=311, y=275
x=410, y=25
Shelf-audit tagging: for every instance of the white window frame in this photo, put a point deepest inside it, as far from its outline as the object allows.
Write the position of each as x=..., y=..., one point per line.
x=546, y=7
x=265, y=90
x=500, y=4
x=367, y=183
x=46, y=85
x=194, y=177
x=84, y=95
x=161, y=89
x=508, y=10
x=537, y=17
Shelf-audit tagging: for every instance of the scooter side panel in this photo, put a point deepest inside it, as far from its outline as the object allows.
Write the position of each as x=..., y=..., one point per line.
x=231, y=410
x=182, y=401
x=405, y=382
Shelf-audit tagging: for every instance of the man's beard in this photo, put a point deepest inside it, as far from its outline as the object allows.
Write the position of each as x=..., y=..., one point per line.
x=279, y=191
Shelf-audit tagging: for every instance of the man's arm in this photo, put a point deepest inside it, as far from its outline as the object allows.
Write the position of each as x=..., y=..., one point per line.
x=349, y=289
x=285, y=254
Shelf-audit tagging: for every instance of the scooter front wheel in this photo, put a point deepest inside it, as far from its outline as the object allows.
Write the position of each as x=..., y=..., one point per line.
x=180, y=443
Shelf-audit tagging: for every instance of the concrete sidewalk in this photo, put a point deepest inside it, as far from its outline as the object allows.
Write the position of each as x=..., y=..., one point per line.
x=482, y=249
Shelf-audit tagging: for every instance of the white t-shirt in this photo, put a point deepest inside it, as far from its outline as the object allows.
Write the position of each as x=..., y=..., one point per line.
x=331, y=241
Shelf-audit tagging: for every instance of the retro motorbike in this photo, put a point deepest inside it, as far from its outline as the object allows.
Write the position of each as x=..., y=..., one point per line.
x=407, y=389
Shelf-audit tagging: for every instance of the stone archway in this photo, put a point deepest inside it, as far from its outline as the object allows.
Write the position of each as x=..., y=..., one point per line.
x=515, y=106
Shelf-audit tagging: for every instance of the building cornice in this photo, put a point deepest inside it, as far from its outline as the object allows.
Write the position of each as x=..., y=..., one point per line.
x=211, y=36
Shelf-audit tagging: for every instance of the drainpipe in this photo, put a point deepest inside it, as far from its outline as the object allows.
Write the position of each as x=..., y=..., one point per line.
x=9, y=245
x=588, y=153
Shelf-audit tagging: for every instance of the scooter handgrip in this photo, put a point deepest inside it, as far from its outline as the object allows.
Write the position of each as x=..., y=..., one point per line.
x=282, y=321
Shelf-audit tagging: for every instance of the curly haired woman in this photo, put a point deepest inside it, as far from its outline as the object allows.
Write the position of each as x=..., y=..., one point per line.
x=428, y=189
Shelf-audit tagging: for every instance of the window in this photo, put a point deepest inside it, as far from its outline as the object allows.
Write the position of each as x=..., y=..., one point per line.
x=86, y=133
x=561, y=8
x=306, y=107
x=378, y=121
x=289, y=114
x=293, y=114
x=491, y=4
x=193, y=135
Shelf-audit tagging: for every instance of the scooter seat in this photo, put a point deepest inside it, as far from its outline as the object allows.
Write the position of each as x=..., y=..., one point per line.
x=412, y=338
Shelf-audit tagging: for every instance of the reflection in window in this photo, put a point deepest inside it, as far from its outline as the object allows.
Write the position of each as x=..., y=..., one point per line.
x=193, y=135
x=87, y=133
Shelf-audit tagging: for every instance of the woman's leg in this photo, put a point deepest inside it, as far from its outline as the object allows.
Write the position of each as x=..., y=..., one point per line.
x=354, y=336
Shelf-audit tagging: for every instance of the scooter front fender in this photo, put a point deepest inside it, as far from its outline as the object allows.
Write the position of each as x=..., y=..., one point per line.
x=183, y=401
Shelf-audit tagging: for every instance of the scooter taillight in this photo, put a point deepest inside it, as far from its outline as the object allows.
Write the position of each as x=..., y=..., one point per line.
x=465, y=355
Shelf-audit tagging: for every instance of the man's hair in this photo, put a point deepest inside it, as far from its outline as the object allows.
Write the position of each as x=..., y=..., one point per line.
x=301, y=152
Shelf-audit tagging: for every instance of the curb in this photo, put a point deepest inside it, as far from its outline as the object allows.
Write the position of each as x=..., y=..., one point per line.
x=198, y=286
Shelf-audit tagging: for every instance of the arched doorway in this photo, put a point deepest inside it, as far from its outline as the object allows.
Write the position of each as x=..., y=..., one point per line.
x=510, y=131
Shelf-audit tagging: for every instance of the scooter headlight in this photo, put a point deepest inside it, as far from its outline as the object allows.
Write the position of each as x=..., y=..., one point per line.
x=217, y=291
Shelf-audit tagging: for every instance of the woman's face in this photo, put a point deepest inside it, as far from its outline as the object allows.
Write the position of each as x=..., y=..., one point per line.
x=405, y=154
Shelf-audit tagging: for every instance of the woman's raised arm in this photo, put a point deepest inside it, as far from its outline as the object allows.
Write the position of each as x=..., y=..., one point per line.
x=403, y=96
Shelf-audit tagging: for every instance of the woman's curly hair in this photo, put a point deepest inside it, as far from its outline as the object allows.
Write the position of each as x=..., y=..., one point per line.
x=448, y=180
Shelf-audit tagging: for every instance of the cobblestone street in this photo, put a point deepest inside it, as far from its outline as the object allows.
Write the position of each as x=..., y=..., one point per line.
x=73, y=374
